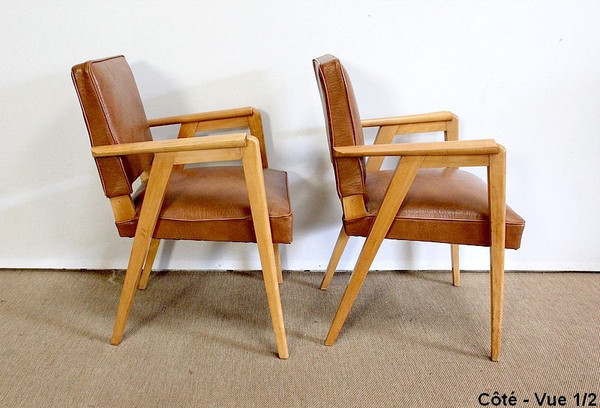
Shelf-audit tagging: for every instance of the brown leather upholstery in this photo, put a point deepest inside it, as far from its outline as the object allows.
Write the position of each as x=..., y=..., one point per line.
x=211, y=204
x=442, y=205
x=342, y=122
x=113, y=113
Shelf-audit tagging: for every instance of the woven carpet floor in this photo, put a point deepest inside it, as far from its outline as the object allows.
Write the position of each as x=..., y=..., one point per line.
x=204, y=339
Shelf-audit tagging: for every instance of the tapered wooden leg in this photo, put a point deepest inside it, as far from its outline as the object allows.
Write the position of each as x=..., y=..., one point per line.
x=278, y=263
x=403, y=177
x=338, y=250
x=497, y=205
x=455, y=265
x=154, y=244
x=159, y=177
x=253, y=173
x=451, y=133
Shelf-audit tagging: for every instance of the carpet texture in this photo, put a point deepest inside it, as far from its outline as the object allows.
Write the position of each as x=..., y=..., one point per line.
x=204, y=339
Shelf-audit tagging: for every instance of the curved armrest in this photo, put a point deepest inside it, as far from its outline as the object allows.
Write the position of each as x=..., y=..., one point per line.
x=462, y=147
x=175, y=145
x=409, y=119
x=201, y=117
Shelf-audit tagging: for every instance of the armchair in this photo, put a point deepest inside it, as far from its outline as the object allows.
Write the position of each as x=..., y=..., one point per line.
x=247, y=203
x=426, y=198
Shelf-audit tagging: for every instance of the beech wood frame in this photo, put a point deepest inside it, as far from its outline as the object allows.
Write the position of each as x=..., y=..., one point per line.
x=450, y=153
x=249, y=148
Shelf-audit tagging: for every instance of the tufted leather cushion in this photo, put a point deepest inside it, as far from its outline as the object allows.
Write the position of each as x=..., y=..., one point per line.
x=442, y=205
x=113, y=114
x=342, y=123
x=211, y=204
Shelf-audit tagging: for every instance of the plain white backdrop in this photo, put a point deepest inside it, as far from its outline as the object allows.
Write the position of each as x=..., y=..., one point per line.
x=524, y=73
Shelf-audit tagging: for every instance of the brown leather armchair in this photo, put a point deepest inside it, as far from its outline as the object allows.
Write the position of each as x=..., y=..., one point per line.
x=426, y=198
x=247, y=203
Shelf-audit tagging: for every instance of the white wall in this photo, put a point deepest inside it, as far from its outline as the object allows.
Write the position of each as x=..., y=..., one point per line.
x=525, y=73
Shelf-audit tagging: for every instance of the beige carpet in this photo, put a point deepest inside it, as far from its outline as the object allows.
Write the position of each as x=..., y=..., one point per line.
x=203, y=339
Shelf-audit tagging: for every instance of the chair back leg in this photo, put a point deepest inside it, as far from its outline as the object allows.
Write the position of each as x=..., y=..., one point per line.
x=455, y=265
x=278, y=263
x=154, y=244
x=338, y=250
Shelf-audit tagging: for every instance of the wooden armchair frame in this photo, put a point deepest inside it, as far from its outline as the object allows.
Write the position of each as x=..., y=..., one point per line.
x=450, y=153
x=389, y=128
x=249, y=148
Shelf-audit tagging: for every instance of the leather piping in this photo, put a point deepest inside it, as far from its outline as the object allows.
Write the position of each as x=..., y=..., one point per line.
x=103, y=108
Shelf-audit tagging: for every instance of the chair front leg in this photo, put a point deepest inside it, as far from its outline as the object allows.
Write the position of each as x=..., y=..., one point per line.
x=497, y=206
x=338, y=250
x=157, y=183
x=401, y=181
x=253, y=173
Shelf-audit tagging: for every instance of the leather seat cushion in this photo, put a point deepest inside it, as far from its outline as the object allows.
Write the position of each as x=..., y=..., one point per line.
x=211, y=204
x=442, y=205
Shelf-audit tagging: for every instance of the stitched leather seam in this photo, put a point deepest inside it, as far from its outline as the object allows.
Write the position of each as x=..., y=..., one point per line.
x=436, y=220
x=103, y=109
x=206, y=220
x=354, y=138
x=87, y=124
x=330, y=126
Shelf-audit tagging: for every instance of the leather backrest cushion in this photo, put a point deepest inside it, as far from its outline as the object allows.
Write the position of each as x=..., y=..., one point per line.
x=342, y=121
x=114, y=114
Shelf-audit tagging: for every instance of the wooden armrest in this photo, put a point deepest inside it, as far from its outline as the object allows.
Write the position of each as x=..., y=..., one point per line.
x=403, y=120
x=201, y=117
x=462, y=147
x=175, y=145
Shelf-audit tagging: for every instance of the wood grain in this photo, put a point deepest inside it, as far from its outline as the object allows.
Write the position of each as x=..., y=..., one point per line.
x=459, y=147
x=174, y=145
x=401, y=120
